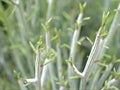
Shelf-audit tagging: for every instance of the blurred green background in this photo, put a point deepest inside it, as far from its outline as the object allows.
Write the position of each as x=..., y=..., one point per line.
x=21, y=23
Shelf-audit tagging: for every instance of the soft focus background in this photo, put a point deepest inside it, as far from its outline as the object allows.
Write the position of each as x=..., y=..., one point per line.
x=21, y=23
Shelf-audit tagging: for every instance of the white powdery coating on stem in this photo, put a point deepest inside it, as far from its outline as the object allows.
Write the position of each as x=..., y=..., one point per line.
x=119, y=7
x=50, y=1
x=75, y=37
x=77, y=72
x=32, y=80
x=79, y=19
x=59, y=61
x=16, y=1
x=62, y=88
x=111, y=32
x=38, y=70
x=92, y=57
x=43, y=76
x=93, y=53
x=73, y=48
x=48, y=44
x=113, y=81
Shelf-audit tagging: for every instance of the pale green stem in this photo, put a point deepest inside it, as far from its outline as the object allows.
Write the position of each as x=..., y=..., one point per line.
x=95, y=80
x=59, y=62
x=72, y=83
x=106, y=5
x=113, y=28
x=44, y=72
x=62, y=88
x=83, y=84
x=104, y=76
x=92, y=57
x=35, y=11
x=111, y=82
x=48, y=47
x=38, y=69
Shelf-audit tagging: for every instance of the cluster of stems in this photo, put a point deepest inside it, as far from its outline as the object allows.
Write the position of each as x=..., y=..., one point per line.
x=96, y=52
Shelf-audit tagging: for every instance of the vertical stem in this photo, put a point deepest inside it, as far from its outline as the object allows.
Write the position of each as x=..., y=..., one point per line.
x=50, y=2
x=38, y=71
x=95, y=80
x=104, y=76
x=92, y=57
x=59, y=65
x=106, y=5
x=59, y=61
x=36, y=11
x=48, y=47
x=112, y=30
x=83, y=84
x=72, y=83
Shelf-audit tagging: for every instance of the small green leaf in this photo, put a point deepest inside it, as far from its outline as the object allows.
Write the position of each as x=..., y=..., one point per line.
x=104, y=34
x=65, y=46
x=39, y=43
x=32, y=46
x=66, y=15
x=117, y=61
x=79, y=42
x=82, y=6
x=68, y=61
x=54, y=38
x=44, y=27
x=48, y=21
x=91, y=42
x=58, y=83
x=27, y=84
x=49, y=61
x=104, y=18
x=105, y=47
x=74, y=77
x=102, y=64
x=86, y=18
x=17, y=74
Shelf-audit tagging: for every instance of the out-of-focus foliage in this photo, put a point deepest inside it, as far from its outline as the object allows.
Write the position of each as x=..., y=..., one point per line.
x=22, y=23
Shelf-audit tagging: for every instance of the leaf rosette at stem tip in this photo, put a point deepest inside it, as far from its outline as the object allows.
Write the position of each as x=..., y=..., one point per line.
x=82, y=7
x=46, y=26
x=39, y=43
x=105, y=17
x=103, y=32
x=56, y=38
